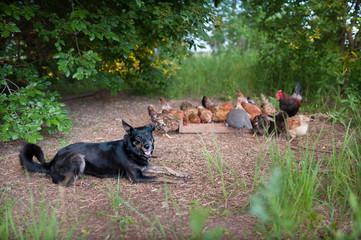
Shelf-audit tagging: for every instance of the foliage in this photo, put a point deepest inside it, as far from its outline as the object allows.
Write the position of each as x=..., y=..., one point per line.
x=38, y=220
x=198, y=221
x=27, y=109
x=215, y=75
x=114, y=44
x=315, y=43
x=291, y=202
x=264, y=46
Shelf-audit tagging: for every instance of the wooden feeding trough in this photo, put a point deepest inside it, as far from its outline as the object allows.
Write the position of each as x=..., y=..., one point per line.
x=208, y=128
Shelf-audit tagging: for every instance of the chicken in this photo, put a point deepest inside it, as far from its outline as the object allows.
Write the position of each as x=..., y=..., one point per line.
x=191, y=115
x=290, y=104
x=166, y=108
x=266, y=106
x=164, y=122
x=243, y=103
x=206, y=102
x=164, y=104
x=177, y=113
x=189, y=110
x=252, y=109
x=261, y=124
x=251, y=100
x=184, y=105
x=298, y=125
x=240, y=96
x=219, y=112
x=238, y=118
x=185, y=120
x=194, y=118
x=278, y=123
x=239, y=104
x=205, y=115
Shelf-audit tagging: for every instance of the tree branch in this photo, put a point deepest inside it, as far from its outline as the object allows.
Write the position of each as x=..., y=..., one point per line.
x=357, y=7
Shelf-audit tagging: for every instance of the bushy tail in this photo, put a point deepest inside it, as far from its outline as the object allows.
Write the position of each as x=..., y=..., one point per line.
x=297, y=92
x=26, y=159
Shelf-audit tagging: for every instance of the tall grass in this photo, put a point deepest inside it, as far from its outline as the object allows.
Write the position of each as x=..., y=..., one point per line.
x=38, y=221
x=212, y=75
x=292, y=202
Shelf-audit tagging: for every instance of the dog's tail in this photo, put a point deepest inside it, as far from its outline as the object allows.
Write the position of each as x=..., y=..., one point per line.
x=26, y=159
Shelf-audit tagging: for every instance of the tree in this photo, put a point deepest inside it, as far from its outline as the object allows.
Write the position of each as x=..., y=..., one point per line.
x=317, y=42
x=112, y=43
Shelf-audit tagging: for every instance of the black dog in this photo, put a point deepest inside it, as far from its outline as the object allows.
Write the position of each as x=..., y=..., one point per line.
x=127, y=158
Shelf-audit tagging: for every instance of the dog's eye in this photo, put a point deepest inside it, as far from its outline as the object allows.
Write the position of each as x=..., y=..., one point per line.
x=138, y=138
x=148, y=135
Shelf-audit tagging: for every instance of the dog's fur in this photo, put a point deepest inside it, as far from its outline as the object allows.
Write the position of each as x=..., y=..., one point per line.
x=127, y=158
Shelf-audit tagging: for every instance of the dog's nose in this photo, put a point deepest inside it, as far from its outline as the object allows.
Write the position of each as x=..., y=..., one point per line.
x=146, y=146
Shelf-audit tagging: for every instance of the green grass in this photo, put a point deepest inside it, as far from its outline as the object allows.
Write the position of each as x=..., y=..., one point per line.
x=289, y=203
x=217, y=167
x=214, y=75
x=38, y=220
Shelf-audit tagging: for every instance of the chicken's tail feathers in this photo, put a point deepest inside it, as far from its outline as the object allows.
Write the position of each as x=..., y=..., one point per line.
x=26, y=159
x=297, y=92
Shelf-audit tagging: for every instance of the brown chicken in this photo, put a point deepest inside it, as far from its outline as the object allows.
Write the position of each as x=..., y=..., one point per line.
x=206, y=102
x=190, y=115
x=243, y=103
x=298, y=125
x=290, y=104
x=184, y=105
x=266, y=106
x=219, y=112
x=252, y=109
x=205, y=115
x=240, y=96
x=164, y=104
x=190, y=110
x=194, y=118
x=164, y=122
x=166, y=108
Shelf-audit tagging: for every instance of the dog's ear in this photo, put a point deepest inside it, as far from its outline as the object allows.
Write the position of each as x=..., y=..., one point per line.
x=127, y=127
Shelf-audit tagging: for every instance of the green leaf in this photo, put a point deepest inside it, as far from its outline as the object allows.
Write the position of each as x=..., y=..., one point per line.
x=55, y=122
x=5, y=33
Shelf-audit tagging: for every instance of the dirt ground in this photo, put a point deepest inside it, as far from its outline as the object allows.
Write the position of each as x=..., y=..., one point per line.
x=87, y=205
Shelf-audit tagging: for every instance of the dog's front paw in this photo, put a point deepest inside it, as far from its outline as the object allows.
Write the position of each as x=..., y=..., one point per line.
x=182, y=175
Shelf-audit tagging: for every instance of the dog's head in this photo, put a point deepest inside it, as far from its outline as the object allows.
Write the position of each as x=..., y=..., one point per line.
x=140, y=140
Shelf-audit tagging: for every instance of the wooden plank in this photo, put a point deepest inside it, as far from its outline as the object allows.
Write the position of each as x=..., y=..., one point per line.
x=208, y=127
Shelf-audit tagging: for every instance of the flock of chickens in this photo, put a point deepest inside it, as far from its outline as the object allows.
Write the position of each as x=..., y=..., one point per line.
x=263, y=118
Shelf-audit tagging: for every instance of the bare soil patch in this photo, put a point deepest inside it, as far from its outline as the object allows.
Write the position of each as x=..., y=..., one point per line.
x=87, y=204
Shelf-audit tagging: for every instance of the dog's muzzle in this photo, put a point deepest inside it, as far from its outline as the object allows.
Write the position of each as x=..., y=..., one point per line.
x=147, y=149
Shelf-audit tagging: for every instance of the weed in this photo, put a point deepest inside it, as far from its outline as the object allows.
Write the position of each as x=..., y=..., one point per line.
x=287, y=205
x=216, y=161
x=38, y=220
x=198, y=220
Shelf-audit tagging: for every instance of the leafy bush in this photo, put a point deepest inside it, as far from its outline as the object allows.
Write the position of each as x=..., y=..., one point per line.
x=26, y=109
x=112, y=44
